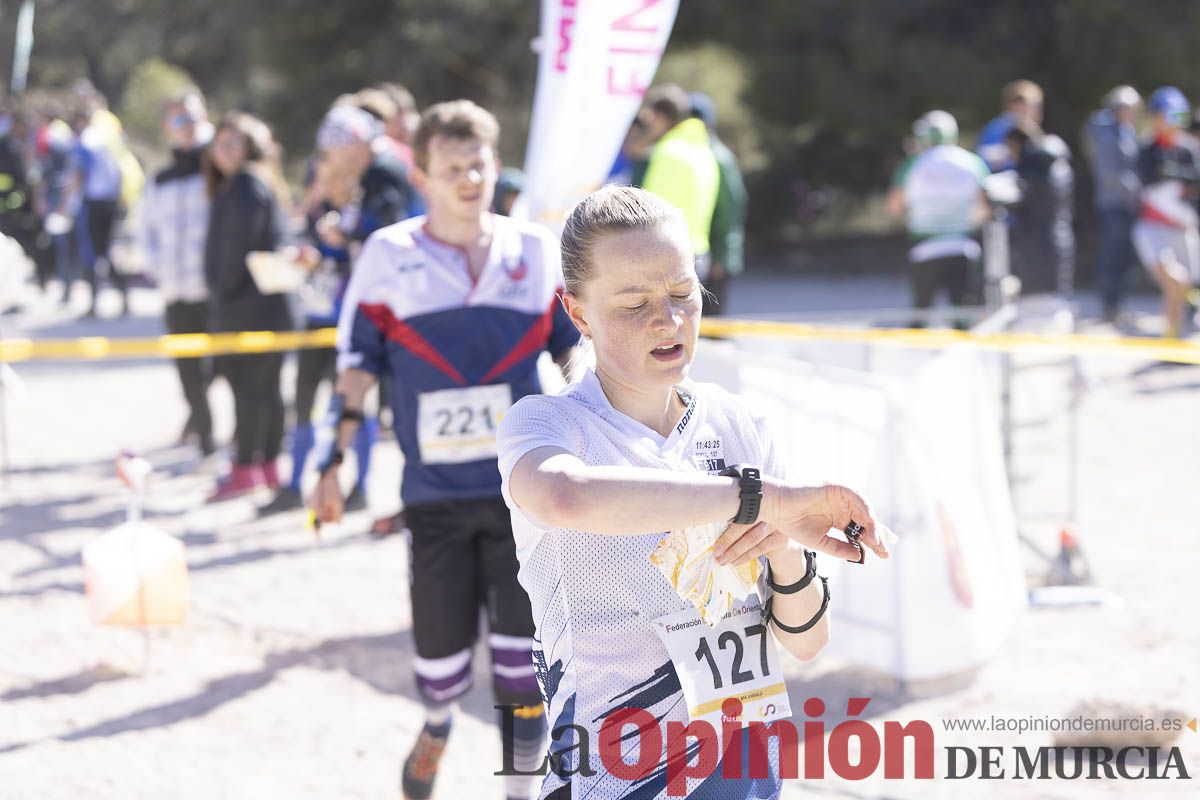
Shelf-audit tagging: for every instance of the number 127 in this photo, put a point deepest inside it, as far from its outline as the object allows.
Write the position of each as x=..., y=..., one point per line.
x=731, y=638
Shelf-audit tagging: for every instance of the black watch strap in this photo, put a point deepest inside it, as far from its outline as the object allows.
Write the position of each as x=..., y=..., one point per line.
x=750, y=492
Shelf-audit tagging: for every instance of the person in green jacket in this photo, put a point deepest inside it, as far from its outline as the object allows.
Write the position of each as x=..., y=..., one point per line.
x=728, y=227
x=682, y=169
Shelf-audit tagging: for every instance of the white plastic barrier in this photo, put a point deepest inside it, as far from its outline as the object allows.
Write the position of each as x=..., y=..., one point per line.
x=921, y=440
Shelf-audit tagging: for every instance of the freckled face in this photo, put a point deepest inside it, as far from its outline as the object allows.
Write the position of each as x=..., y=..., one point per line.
x=641, y=306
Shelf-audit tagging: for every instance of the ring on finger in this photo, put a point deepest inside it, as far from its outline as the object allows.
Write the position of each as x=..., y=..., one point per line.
x=853, y=533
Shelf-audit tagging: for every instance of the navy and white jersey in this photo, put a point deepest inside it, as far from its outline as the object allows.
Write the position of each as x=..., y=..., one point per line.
x=594, y=596
x=456, y=352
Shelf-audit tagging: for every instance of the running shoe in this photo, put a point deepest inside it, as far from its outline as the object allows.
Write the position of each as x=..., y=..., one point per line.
x=356, y=500
x=242, y=479
x=286, y=500
x=421, y=766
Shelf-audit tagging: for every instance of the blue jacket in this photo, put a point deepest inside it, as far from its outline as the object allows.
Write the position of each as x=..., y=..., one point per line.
x=1113, y=150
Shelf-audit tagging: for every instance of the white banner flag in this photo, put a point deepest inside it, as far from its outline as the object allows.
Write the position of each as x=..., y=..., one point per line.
x=598, y=58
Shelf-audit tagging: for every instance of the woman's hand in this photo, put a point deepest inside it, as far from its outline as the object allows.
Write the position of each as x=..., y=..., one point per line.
x=804, y=514
x=741, y=543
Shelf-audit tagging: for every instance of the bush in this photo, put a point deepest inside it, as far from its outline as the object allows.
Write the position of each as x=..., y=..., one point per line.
x=151, y=84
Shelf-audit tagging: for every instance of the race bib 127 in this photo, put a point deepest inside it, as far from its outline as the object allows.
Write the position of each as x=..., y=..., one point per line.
x=735, y=658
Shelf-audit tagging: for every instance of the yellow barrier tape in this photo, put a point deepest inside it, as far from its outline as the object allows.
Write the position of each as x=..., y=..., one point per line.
x=1173, y=350
x=198, y=344
x=184, y=345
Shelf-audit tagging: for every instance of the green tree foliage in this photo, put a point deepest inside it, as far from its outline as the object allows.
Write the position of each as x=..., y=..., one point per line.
x=150, y=86
x=833, y=85
x=288, y=59
x=817, y=93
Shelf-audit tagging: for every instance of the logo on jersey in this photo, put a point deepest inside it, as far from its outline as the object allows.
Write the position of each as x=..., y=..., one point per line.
x=410, y=262
x=687, y=416
x=518, y=271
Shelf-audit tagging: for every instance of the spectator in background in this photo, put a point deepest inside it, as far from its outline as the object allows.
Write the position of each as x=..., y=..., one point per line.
x=56, y=201
x=99, y=179
x=401, y=125
x=728, y=230
x=349, y=138
x=682, y=169
x=1166, y=233
x=364, y=188
x=940, y=192
x=629, y=167
x=247, y=215
x=508, y=189
x=1110, y=139
x=16, y=192
x=1042, y=232
x=111, y=180
x=1022, y=105
x=172, y=234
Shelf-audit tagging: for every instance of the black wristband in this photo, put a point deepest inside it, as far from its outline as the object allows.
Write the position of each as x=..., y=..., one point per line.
x=808, y=625
x=810, y=572
x=749, y=492
x=351, y=415
x=333, y=462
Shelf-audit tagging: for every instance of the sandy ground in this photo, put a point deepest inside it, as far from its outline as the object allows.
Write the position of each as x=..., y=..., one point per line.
x=292, y=677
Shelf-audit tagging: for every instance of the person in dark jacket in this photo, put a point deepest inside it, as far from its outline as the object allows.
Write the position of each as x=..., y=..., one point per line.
x=358, y=188
x=246, y=216
x=172, y=236
x=728, y=234
x=1043, y=236
x=16, y=194
x=1112, y=145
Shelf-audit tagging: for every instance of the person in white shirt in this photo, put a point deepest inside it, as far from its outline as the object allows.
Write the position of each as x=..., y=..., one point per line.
x=596, y=475
x=172, y=231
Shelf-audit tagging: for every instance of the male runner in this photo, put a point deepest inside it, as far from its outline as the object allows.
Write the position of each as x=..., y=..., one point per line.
x=454, y=307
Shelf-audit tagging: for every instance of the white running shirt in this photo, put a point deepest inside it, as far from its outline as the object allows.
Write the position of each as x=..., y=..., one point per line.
x=594, y=596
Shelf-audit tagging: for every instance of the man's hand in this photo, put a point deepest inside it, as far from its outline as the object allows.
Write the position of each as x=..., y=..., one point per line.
x=328, y=231
x=326, y=499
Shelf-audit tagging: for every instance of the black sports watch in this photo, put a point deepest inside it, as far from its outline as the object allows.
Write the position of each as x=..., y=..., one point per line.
x=750, y=490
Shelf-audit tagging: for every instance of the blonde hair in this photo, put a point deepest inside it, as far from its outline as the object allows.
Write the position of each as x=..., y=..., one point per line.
x=611, y=209
x=1024, y=90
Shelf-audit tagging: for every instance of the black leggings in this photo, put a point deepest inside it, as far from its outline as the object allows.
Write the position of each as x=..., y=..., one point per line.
x=952, y=273
x=194, y=373
x=101, y=219
x=257, y=403
x=312, y=366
